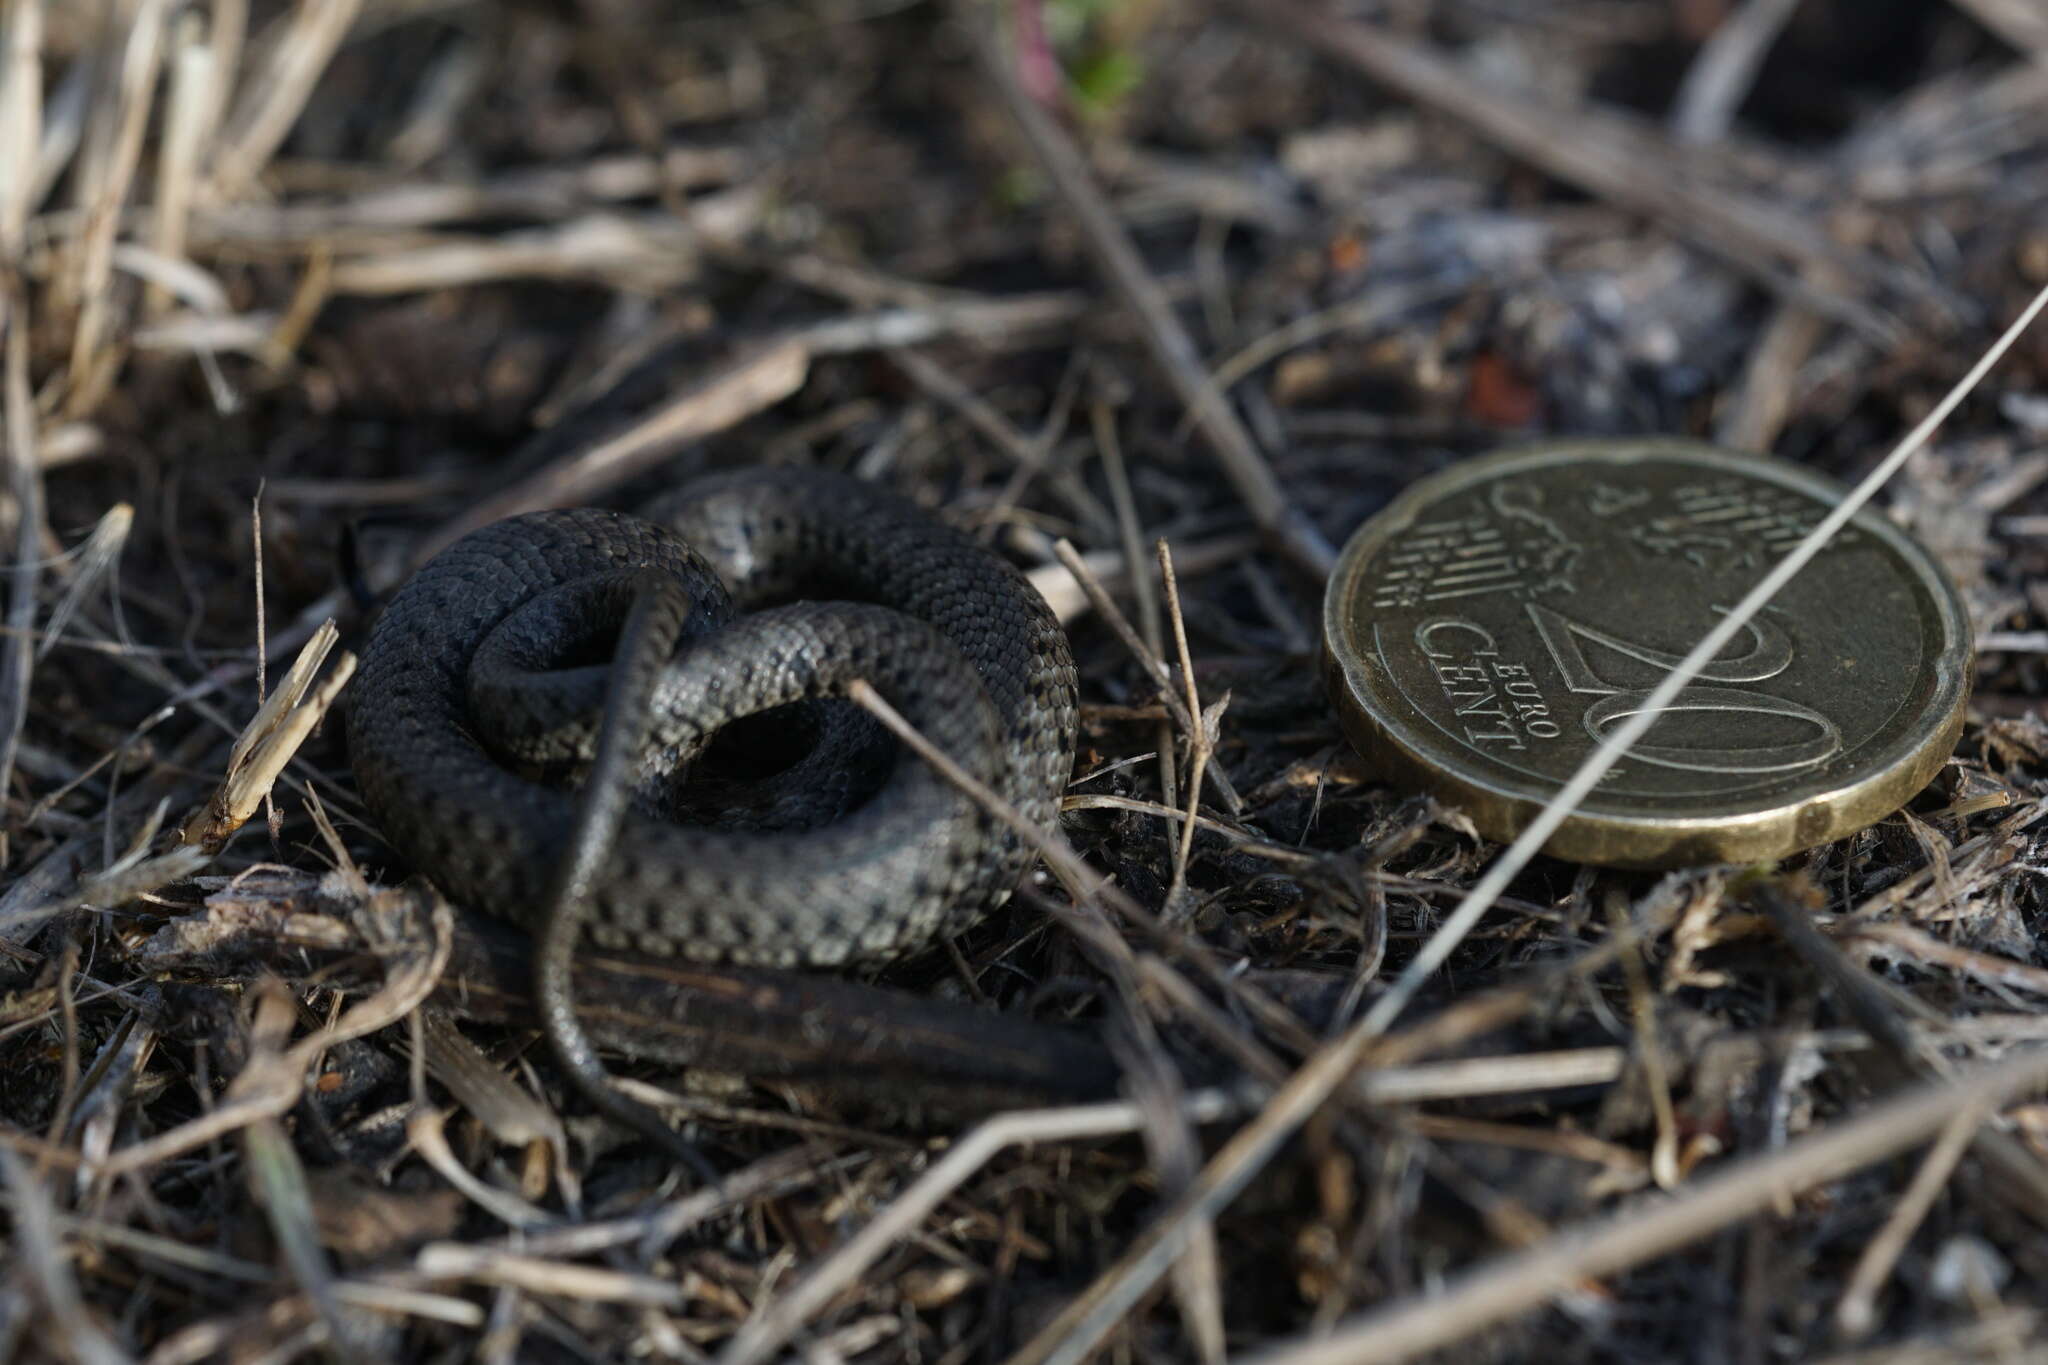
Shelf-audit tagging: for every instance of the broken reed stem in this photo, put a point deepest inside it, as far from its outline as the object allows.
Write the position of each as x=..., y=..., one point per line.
x=307, y=39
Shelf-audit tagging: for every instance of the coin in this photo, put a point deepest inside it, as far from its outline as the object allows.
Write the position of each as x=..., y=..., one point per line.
x=1485, y=631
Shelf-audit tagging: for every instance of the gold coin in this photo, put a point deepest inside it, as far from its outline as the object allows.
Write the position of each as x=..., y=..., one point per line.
x=1484, y=632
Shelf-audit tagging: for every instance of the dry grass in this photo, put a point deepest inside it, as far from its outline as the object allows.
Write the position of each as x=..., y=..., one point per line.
x=294, y=293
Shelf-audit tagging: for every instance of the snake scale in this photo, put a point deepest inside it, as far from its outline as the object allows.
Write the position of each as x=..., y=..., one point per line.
x=486, y=689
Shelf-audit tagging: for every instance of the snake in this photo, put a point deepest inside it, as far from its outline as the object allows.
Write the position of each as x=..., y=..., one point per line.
x=631, y=731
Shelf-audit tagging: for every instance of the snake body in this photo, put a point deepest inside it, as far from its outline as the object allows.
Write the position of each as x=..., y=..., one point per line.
x=479, y=688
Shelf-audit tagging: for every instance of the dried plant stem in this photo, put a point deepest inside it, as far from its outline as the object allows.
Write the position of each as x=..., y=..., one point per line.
x=1200, y=744
x=25, y=482
x=1110, y=447
x=307, y=40
x=1725, y=69
x=48, y=1268
x=106, y=189
x=1856, y=1311
x=187, y=125
x=21, y=112
x=1664, y=1158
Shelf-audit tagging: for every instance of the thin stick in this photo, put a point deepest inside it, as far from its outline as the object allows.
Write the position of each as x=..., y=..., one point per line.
x=1114, y=618
x=188, y=122
x=935, y=380
x=1725, y=70
x=1111, y=449
x=256, y=554
x=1069, y=600
x=1198, y=737
x=226, y=35
x=744, y=384
x=1112, y=452
x=1856, y=1313
x=1650, y=1055
x=92, y=365
x=273, y=102
x=21, y=112
x=25, y=481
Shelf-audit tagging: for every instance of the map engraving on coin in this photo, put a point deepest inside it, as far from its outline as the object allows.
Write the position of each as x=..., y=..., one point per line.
x=1488, y=628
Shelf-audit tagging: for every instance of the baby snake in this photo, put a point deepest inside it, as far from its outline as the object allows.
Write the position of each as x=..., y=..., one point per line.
x=543, y=649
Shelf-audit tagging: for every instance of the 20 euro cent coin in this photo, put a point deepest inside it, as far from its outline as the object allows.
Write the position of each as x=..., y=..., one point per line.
x=1488, y=628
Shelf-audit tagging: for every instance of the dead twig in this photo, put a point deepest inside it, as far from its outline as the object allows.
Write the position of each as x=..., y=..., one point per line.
x=1201, y=740
x=1721, y=75
x=1856, y=1310
x=25, y=481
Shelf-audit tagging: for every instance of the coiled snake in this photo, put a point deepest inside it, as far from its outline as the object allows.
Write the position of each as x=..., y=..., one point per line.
x=489, y=685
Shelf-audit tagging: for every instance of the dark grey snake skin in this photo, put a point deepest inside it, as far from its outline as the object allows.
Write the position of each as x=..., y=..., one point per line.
x=484, y=674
